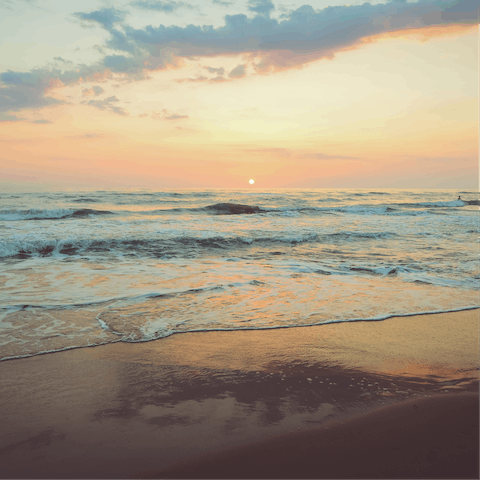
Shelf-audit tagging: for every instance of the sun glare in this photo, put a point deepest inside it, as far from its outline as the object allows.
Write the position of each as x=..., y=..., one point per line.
x=251, y=181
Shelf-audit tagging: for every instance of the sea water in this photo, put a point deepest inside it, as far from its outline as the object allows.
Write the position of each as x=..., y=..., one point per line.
x=84, y=268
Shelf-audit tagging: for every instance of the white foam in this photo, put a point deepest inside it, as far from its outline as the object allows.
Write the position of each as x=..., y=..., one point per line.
x=304, y=262
x=15, y=215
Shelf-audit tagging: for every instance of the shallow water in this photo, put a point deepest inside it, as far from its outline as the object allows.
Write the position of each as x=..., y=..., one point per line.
x=93, y=267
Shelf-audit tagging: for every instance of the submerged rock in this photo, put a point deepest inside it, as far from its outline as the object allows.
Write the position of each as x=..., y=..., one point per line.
x=234, y=208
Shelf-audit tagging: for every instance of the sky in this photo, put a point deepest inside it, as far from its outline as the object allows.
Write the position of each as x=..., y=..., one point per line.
x=211, y=94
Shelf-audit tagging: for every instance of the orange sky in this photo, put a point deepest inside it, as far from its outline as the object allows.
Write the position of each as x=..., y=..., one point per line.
x=397, y=108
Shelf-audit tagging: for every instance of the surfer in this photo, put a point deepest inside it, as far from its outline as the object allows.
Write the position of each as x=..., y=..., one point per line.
x=459, y=198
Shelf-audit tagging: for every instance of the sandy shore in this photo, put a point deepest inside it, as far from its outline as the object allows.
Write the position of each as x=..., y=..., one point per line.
x=117, y=410
x=433, y=437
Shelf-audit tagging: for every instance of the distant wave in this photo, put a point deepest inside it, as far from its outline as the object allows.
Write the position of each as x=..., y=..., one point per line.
x=396, y=209
x=217, y=209
x=369, y=193
x=233, y=209
x=173, y=246
x=239, y=209
x=451, y=203
x=34, y=214
x=86, y=200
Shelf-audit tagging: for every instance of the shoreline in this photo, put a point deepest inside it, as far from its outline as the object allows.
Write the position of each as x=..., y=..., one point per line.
x=247, y=329
x=123, y=408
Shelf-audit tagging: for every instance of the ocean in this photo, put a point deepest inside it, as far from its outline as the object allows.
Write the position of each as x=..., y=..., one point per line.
x=85, y=268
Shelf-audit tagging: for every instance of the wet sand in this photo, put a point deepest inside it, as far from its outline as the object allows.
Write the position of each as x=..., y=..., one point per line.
x=116, y=410
x=433, y=437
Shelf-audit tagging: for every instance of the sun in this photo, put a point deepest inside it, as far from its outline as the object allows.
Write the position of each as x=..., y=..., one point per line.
x=251, y=181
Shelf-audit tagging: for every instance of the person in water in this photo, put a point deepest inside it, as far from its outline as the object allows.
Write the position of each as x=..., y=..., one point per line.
x=459, y=198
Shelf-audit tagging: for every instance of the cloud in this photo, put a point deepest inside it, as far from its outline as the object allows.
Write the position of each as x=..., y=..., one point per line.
x=41, y=121
x=166, y=115
x=20, y=90
x=268, y=45
x=107, y=104
x=88, y=136
x=6, y=117
x=62, y=60
x=218, y=79
x=238, y=72
x=120, y=63
x=202, y=78
x=23, y=90
x=94, y=91
x=262, y=7
x=221, y=3
x=158, y=6
x=278, y=152
x=327, y=156
x=303, y=36
x=218, y=71
x=106, y=17
x=8, y=4
x=174, y=117
x=287, y=153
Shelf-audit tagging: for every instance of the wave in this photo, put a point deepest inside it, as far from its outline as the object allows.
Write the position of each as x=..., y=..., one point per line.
x=123, y=301
x=147, y=335
x=233, y=209
x=365, y=209
x=86, y=200
x=217, y=209
x=239, y=209
x=393, y=209
x=53, y=214
x=369, y=193
x=451, y=203
x=173, y=246
x=359, y=235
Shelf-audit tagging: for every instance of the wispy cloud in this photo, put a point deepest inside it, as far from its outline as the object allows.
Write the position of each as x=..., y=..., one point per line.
x=107, y=104
x=167, y=115
x=278, y=152
x=7, y=117
x=218, y=71
x=222, y=3
x=202, y=79
x=238, y=72
x=87, y=136
x=158, y=6
x=106, y=17
x=288, y=153
x=327, y=156
x=262, y=7
x=62, y=60
x=94, y=91
x=41, y=121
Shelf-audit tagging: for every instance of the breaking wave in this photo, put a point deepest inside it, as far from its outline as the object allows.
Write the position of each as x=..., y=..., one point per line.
x=179, y=245
x=54, y=214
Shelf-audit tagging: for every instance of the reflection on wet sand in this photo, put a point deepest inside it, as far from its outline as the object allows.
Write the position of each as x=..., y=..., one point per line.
x=117, y=409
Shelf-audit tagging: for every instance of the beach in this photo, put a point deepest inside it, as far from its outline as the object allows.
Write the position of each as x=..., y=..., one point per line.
x=224, y=400
x=239, y=239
